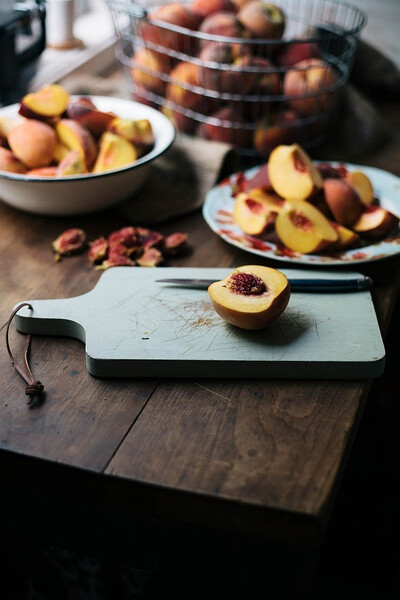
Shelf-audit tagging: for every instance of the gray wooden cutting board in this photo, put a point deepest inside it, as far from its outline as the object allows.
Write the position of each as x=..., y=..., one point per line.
x=135, y=327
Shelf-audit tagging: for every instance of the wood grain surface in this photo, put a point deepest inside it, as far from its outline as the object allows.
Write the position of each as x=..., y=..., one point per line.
x=243, y=455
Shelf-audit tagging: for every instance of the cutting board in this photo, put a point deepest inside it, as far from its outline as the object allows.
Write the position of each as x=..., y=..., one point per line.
x=133, y=326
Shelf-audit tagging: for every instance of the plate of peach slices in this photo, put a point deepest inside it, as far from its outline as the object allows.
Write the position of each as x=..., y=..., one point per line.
x=303, y=211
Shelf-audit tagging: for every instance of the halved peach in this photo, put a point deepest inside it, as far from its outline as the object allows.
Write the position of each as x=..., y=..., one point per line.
x=303, y=228
x=292, y=173
x=255, y=211
x=49, y=102
x=375, y=221
x=343, y=201
x=10, y=163
x=251, y=297
x=361, y=183
x=33, y=142
x=114, y=152
x=71, y=164
x=75, y=136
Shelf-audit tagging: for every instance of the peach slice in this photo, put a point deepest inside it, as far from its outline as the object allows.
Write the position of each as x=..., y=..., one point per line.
x=255, y=211
x=292, y=173
x=343, y=201
x=362, y=185
x=375, y=221
x=114, y=152
x=251, y=297
x=303, y=228
x=85, y=112
x=10, y=163
x=139, y=133
x=75, y=136
x=33, y=142
x=71, y=164
x=346, y=238
x=49, y=102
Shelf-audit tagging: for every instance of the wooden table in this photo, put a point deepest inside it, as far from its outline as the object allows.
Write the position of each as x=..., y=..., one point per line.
x=241, y=474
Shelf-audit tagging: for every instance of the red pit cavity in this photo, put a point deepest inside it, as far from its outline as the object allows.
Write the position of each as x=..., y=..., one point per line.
x=246, y=284
x=301, y=221
x=254, y=206
x=299, y=164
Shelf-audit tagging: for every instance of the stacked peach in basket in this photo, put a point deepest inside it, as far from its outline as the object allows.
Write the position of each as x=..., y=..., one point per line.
x=218, y=89
x=57, y=136
x=310, y=207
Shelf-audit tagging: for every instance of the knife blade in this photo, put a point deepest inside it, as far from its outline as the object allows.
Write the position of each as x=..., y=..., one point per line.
x=352, y=284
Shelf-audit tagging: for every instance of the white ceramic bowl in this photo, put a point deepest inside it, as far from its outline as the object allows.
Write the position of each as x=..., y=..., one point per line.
x=80, y=194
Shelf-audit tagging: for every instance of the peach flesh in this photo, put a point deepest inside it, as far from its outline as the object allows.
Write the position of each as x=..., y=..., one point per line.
x=303, y=228
x=251, y=297
x=292, y=173
x=375, y=221
x=49, y=101
x=254, y=214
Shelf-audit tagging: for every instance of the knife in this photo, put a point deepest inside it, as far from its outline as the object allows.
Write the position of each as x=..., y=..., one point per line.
x=353, y=284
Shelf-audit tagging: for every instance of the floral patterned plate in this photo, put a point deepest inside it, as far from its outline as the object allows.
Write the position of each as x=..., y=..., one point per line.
x=218, y=207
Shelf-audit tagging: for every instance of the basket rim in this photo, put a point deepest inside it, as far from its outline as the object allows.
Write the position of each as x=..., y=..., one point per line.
x=140, y=12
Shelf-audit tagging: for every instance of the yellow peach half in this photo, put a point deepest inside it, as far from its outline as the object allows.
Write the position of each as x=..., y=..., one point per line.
x=255, y=211
x=251, y=297
x=303, y=228
x=49, y=101
x=292, y=173
x=362, y=185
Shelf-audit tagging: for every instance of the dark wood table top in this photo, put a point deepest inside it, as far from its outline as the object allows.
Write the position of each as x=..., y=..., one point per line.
x=245, y=456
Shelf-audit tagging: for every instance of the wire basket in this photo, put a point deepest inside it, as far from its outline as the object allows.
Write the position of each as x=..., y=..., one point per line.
x=252, y=93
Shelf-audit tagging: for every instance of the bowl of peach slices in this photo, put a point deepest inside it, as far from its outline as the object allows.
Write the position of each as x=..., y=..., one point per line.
x=66, y=155
x=295, y=209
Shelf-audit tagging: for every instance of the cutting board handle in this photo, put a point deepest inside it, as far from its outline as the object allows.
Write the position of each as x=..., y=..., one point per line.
x=51, y=317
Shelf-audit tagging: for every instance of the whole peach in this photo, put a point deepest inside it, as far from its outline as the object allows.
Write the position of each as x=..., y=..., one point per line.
x=235, y=80
x=33, y=142
x=307, y=78
x=263, y=19
x=204, y=8
x=230, y=130
x=146, y=67
x=274, y=130
x=185, y=73
x=225, y=24
x=292, y=53
x=10, y=163
x=174, y=14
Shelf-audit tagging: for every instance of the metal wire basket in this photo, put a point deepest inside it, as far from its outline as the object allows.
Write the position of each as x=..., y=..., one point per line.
x=266, y=97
